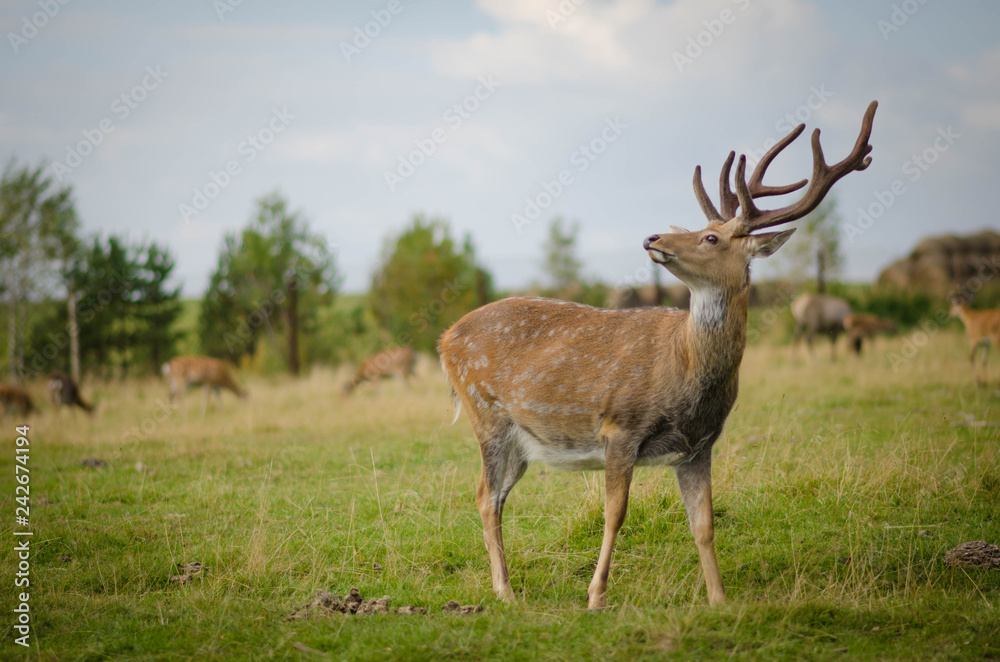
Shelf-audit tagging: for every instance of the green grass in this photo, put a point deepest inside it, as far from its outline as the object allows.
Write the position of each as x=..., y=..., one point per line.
x=824, y=479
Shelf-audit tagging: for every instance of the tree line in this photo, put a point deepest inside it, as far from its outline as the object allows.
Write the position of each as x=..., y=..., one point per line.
x=108, y=306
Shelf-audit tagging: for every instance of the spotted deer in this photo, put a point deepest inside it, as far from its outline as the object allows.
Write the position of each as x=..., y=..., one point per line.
x=184, y=372
x=397, y=362
x=860, y=326
x=14, y=399
x=983, y=328
x=583, y=388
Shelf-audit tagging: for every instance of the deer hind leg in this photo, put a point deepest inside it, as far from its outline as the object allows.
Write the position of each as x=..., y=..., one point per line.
x=695, y=480
x=618, y=479
x=503, y=466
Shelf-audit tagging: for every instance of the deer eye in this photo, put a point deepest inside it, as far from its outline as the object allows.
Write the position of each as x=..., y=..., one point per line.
x=711, y=238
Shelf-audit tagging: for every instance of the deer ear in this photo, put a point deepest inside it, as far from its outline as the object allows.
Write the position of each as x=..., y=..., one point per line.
x=676, y=229
x=764, y=244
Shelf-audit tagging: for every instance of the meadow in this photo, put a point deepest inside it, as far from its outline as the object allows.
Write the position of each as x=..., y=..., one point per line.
x=838, y=488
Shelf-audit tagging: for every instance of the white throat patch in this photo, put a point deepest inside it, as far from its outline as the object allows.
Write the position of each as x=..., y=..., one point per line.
x=708, y=307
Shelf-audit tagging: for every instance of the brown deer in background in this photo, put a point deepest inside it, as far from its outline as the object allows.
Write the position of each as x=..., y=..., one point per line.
x=819, y=313
x=584, y=388
x=865, y=325
x=184, y=372
x=14, y=399
x=983, y=328
x=397, y=362
x=64, y=391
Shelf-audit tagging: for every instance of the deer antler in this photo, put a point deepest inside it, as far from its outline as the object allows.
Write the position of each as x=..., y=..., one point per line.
x=823, y=178
x=729, y=200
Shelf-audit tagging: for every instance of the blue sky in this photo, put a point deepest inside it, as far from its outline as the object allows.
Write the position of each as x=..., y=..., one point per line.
x=559, y=74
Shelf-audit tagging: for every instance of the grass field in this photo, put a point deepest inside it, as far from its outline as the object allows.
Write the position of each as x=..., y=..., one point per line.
x=838, y=488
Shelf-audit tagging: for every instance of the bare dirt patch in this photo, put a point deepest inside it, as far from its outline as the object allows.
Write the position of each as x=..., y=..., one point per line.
x=324, y=603
x=975, y=554
x=187, y=572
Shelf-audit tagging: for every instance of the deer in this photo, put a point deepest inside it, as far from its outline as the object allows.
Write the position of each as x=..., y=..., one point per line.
x=183, y=372
x=15, y=399
x=64, y=391
x=819, y=313
x=583, y=388
x=395, y=362
x=865, y=325
x=983, y=328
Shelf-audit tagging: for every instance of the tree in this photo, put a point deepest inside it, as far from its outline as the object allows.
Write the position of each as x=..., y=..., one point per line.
x=126, y=308
x=425, y=282
x=265, y=276
x=563, y=269
x=817, y=245
x=38, y=230
x=561, y=266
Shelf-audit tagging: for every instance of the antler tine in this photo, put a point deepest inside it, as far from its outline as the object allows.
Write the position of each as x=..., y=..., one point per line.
x=706, y=203
x=823, y=178
x=757, y=187
x=727, y=199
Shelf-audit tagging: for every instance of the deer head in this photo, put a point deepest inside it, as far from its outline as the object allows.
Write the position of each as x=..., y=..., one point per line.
x=718, y=256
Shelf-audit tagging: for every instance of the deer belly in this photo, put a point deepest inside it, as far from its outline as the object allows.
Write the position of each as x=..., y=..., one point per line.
x=585, y=456
x=578, y=457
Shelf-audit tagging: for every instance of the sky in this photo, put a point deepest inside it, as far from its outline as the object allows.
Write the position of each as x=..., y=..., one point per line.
x=170, y=120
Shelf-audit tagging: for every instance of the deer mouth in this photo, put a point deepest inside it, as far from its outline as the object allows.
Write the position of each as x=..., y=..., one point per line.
x=662, y=257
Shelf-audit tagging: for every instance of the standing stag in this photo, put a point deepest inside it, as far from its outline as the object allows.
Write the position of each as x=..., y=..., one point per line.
x=183, y=372
x=582, y=388
x=819, y=313
x=397, y=362
x=983, y=328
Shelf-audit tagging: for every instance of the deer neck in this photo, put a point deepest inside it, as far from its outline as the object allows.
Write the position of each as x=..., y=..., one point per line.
x=716, y=330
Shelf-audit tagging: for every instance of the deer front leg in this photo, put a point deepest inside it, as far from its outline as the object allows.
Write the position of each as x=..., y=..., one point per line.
x=618, y=480
x=695, y=479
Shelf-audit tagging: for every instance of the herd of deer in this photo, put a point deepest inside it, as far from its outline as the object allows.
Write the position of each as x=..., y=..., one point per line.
x=582, y=388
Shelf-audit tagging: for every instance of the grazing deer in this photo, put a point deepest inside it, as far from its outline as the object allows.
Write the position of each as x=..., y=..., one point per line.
x=864, y=325
x=819, y=313
x=397, y=362
x=64, y=391
x=583, y=388
x=15, y=399
x=982, y=327
x=184, y=372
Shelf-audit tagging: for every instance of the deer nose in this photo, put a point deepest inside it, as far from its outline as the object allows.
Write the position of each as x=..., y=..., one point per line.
x=649, y=240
